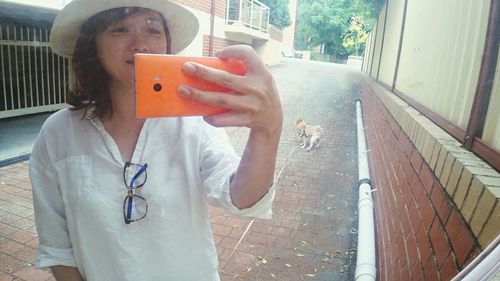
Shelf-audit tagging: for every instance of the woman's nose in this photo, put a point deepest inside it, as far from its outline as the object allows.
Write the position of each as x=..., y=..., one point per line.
x=138, y=42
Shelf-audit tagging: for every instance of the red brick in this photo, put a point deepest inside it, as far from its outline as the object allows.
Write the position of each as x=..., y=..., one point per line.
x=427, y=212
x=291, y=224
x=405, y=273
x=415, y=218
x=408, y=147
x=412, y=251
x=417, y=188
x=232, y=269
x=416, y=160
x=10, y=218
x=472, y=256
x=229, y=243
x=460, y=237
x=439, y=242
x=448, y=269
x=441, y=202
x=286, y=243
x=9, y=247
x=221, y=229
x=8, y=264
x=32, y=274
x=431, y=272
x=236, y=233
x=262, y=228
x=407, y=195
x=27, y=254
x=407, y=168
x=427, y=178
x=423, y=243
x=260, y=238
x=417, y=272
x=243, y=258
x=281, y=231
x=405, y=221
x=7, y=229
x=400, y=249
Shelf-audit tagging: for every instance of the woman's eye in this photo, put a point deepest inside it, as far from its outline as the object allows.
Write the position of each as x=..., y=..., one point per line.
x=153, y=31
x=118, y=29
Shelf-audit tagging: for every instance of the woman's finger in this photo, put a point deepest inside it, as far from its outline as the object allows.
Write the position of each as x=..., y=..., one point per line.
x=242, y=52
x=231, y=101
x=225, y=79
x=231, y=118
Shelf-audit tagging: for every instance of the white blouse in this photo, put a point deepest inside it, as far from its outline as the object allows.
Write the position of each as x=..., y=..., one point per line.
x=76, y=173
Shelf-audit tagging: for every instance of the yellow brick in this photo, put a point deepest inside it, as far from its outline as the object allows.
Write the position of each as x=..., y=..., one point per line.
x=440, y=162
x=428, y=148
x=490, y=181
x=404, y=121
x=483, y=210
x=491, y=228
x=475, y=161
x=411, y=124
x=470, y=203
x=462, y=187
x=435, y=155
x=421, y=138
x=455, y=174
x=484, y=172
x=416, y=132
x=448, y=164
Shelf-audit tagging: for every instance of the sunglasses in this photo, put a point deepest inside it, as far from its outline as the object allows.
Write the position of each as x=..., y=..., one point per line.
x=135, y=206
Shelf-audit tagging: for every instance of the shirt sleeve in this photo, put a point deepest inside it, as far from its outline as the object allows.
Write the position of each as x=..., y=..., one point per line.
x=54, y=243
x=218, y=165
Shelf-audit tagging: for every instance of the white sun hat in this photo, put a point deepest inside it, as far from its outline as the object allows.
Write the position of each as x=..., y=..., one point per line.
x=182, y=24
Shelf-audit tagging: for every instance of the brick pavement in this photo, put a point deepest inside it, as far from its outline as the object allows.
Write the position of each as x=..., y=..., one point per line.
x=312, y=235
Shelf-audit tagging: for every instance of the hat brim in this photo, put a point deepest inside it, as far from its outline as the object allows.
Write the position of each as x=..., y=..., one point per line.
x=182, y=24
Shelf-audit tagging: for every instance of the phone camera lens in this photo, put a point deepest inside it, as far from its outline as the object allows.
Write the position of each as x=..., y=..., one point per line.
x=157, y=87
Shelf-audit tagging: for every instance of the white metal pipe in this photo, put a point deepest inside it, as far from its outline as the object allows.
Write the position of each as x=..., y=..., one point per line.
x=365, y=264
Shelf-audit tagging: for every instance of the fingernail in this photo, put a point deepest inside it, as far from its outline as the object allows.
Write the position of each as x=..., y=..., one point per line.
x=189, y=67
x=184, y=91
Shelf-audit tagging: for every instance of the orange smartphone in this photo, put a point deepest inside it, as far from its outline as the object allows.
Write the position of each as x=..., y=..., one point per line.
x=157, y=78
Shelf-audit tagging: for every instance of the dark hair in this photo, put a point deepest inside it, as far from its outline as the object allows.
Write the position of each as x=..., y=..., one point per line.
x=92, y=81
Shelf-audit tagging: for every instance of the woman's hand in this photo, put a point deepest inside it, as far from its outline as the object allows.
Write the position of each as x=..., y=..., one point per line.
x=254, y=103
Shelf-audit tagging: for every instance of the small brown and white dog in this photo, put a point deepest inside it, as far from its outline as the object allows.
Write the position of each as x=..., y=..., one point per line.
x=311, y=133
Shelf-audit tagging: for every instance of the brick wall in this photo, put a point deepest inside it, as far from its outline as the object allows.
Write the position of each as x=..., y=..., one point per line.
x=219, y=43
x=204, y=6
x=421, y=233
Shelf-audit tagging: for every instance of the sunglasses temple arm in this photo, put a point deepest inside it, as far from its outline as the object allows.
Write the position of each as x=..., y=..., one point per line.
x=129, y=210
x=143, y=168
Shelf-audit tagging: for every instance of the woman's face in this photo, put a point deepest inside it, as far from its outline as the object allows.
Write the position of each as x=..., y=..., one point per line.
x=142, y=32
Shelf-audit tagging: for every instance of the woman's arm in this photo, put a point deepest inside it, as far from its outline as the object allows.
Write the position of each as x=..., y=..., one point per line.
x=254, y=103
x=66, y=273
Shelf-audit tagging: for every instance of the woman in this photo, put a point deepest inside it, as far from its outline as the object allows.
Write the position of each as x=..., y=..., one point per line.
x=122, y=198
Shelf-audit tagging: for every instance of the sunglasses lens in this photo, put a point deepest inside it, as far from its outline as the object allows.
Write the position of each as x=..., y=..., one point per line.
x=134, y=208
x=135, y=175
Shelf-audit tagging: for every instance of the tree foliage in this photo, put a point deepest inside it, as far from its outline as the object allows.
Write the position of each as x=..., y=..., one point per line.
x=280, y=15
x=335, y=27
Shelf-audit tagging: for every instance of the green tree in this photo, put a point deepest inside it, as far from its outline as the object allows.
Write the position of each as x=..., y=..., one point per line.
x=280, y=15
x=335, y=27
x=321, y=24
x=355, y=37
